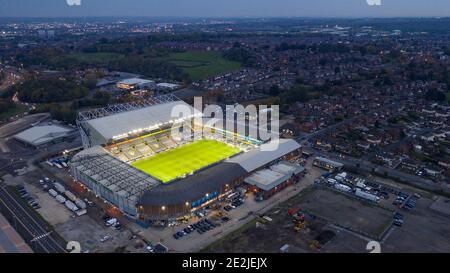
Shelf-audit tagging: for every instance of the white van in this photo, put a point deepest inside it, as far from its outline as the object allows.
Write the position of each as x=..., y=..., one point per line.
x=111, y=222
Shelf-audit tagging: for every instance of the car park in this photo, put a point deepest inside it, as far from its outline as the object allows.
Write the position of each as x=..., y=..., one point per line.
x=384, y=194
x=398, y=216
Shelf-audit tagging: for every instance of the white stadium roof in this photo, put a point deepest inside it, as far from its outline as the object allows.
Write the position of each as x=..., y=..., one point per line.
x=261, y=156
x=120, y=125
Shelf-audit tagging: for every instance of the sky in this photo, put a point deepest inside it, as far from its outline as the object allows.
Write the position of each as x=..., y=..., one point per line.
x=225, y=8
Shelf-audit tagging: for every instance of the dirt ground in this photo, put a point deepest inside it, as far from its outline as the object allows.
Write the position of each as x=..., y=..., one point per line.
x=88, y=233
x=347, y=212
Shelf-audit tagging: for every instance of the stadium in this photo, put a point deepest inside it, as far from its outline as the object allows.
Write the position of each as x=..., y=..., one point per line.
x=133, y=159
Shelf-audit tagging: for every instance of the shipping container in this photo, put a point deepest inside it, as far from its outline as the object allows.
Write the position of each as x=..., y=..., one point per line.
x=80, y=203
x=59, y=187
x=71, y=206
x=343, y=187
x=70, y=196
x=81, y=212
x=367, y=196
x=52, y=192
x=60, y=199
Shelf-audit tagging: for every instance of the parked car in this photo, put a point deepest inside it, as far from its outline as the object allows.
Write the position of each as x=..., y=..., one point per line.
x=150, y=249
x=105, y=238
x=398, y=222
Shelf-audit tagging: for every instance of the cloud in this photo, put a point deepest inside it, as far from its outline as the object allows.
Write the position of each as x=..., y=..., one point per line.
x=374, y=2
x=73, y=2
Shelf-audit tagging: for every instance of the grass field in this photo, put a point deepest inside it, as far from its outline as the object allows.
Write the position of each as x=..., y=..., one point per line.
x=98, y=57
x=167, y=166
x=202, y=64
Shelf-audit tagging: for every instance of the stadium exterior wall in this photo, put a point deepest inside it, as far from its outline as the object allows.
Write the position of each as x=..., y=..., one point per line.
x=124, y=204
x=173, y=211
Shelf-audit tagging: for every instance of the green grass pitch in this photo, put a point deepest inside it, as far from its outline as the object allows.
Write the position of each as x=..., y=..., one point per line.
x=168, y=165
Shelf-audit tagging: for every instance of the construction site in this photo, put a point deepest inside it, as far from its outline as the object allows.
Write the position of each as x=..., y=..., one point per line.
x=311, y=222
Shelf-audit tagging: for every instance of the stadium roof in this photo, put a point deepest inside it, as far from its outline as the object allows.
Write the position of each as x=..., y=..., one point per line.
x=262, y=156
x=121, y=125
x=40, y=135
x=118, y=177
x=193, y=187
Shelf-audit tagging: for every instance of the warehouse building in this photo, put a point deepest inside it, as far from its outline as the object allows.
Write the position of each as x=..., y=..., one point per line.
x=40, y=136
x=327, y=164
x=135, y=83
x=268, y=182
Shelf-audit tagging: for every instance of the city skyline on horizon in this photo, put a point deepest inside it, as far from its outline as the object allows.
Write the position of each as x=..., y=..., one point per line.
x=228, y=9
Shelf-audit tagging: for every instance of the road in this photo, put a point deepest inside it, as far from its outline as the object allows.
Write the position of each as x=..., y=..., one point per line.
x=34, y=230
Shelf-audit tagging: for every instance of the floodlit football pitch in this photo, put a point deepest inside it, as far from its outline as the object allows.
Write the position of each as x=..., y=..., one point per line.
x=168, y=165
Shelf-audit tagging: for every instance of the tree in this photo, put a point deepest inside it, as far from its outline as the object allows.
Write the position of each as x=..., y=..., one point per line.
x=50, y=90
x=274, y=90
x=5, y=105
x=66, y=114
x=435, y=95
x=239, y=54
x=298, y=93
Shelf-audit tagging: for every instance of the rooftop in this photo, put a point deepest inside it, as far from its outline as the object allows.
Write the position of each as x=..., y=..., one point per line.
x=121, y=125
x=263, y=155
x=329, y=161
x=268, y=179
x=193, y=187
x=134, y=81
x=117, y=176
x=39, y=135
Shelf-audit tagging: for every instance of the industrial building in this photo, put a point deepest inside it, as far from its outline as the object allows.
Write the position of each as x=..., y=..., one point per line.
x=327, y=164
x=168, y=86
x=40, y=136
x=134, y=83
x=269, y=181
